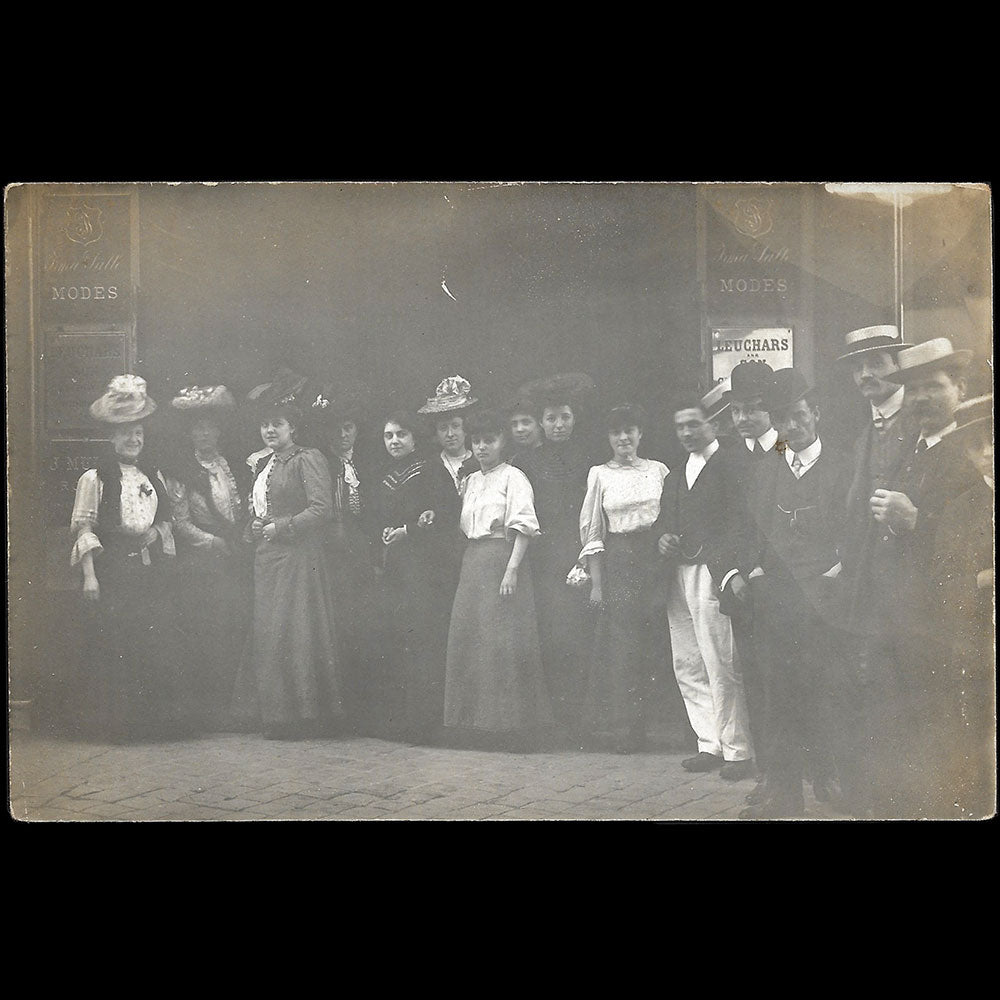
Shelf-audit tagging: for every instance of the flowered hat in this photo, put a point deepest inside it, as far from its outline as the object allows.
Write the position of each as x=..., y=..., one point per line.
x=452, y=393
x=199, y=398
x=123, y=402
x=334, y=401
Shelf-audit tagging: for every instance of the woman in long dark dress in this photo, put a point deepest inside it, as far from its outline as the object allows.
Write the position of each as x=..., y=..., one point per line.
x=494, y=685
x=335, y=416
x=293, y=670
x=125, y=547
x=557, y=470
x=621, y=505
x=417, y=516
x=213, y=562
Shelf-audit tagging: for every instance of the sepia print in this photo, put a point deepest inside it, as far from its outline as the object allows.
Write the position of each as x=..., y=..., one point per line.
x=500, y=500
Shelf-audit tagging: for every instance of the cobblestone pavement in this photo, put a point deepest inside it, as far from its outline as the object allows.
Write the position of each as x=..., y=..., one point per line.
x=245, y=777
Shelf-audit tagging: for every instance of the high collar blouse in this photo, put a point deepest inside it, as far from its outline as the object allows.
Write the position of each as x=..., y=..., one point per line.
x=296, y=490
x=497, y=504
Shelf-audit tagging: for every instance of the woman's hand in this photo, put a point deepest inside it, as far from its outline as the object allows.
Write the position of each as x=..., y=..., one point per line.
x=596, y=596
x=269, y=531
x=509, y=582
x=426, y=519
x=669, y=545
x=393, y=535
x=257, y=528
x=91, y=588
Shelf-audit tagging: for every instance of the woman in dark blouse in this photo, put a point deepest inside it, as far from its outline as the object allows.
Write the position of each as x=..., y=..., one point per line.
x=557, y=470
x=417, y=509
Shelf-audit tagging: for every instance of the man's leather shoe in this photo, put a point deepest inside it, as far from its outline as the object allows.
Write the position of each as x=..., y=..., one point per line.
x=738, y=770
x=702, y=762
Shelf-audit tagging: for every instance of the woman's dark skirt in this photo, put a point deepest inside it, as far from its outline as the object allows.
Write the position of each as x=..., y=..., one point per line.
x=624, y=653
x=564, y=622
x=130, y=686
x=493, y=678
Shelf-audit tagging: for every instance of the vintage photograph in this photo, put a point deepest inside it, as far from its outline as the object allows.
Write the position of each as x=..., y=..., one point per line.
x=500, y=500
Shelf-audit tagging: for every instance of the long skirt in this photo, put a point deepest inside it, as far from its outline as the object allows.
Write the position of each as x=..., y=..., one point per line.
x=493, y=676
x=564, y=622
x=624, y=658
x=407, y=681
x=214, y=607
x=291, y=675
x=130, y=685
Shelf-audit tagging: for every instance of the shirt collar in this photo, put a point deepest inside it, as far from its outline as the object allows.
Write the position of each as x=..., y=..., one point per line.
x=348, y=456
x=933, y=439
x=989, y=482
x=808, y=455
x=706, y=453
x=294, y=450
x=767, y=440
x=891, y=406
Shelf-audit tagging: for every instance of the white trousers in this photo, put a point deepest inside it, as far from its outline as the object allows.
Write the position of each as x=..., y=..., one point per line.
x=712, y=689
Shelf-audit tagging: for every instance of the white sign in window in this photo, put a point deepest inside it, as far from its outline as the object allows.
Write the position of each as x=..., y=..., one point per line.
x=732, y=345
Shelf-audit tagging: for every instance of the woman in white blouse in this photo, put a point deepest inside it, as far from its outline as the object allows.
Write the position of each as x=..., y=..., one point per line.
x=213, y=561
x=124, y=545
x=621, y=504
x=495, y=692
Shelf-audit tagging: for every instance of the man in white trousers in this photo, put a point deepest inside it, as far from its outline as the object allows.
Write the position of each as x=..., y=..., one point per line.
x=700, y=530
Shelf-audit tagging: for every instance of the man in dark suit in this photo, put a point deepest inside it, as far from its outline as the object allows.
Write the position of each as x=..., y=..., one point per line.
x=749, y=383
x=796, y=517
x=889, y=437
x=698, y=532
x=964, y=574
x=905, y=656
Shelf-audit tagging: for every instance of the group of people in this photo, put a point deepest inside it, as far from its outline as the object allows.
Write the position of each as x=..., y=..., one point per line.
x=488, y=583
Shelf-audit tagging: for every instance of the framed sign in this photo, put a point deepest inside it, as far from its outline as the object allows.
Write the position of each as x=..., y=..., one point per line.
x=733, y=344
x=78, y=366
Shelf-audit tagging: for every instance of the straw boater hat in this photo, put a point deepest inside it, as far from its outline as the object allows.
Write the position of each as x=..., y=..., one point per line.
x=124, y=401
x=715, y=402
x=788, y=386
x=973, y=413
x=872, y=338
x=749, y=380
x=452, y=393
x=202, y=399
x=931, y=355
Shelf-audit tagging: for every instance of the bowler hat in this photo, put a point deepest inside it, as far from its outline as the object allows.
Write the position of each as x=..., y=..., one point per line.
x=788, y=386
x=973, y=413
x=715, y=402
x=749, y=380
x=124, y=401
x=872, y=338
x=931, y=355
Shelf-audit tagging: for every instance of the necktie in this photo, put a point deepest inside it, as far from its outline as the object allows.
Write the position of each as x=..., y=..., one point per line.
x=878, y=420
x=796, y=466
x=921, y=445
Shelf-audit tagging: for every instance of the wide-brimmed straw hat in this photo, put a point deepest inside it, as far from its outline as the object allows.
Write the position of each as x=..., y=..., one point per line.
x=870, y=339
x=452, y=393
x=566, y=385
x=749, y=380
x=931, y=355
x=973, y=413
x=124, y=401
x=788, y=386
x=199, y=399
x=716, y=401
